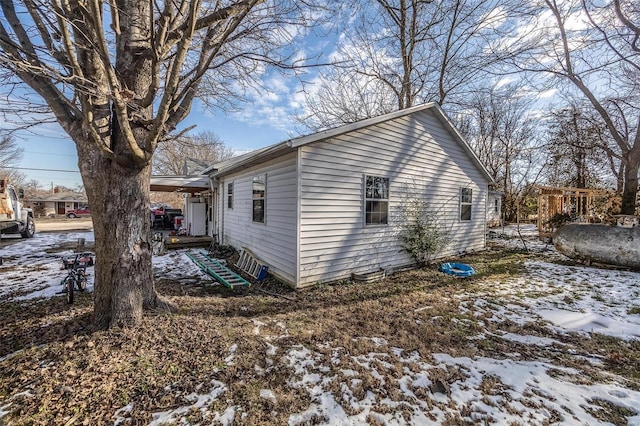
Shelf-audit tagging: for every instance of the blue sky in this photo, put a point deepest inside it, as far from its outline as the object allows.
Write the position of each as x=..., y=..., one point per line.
x=48, y=148
x=267, y=117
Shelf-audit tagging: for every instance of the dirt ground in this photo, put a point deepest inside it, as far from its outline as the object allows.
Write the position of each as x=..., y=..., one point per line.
x=63, y=224
x=418, y=347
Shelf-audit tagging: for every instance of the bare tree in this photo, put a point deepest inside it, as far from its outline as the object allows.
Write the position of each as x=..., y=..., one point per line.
x=10, y=155
x=502, y=129
x=342, y=96
x=579, y=149
x=593, y=48
x=204, y=148
x=399, y=53
x=118, y=76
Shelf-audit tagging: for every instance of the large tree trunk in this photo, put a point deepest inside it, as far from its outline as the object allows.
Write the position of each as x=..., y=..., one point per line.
x=630, y=192
x=120, y=195
x=119, y=76
x=119, y=202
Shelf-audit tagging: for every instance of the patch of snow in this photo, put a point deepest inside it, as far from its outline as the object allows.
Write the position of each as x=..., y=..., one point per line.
x=530, y=382
x=3, y=409
x=591, y=322
x=199, y=402
x=11, y=355
x=30, y=271
x=530, y=391
x=120, y=415
x=377, y=341
x=5, y=405
x=232, y=354
x=571, y=298
x=268, y=394
x=227, y=417
x=258, y=324
x=530, y=340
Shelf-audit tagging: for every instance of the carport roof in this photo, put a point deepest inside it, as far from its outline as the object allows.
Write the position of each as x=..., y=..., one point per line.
x=190, y=184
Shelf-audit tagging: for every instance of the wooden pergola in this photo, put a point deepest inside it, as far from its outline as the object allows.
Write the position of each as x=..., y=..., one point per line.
x=578, y=202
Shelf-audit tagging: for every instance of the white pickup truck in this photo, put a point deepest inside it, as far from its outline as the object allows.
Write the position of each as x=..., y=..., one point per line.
x=14, y=218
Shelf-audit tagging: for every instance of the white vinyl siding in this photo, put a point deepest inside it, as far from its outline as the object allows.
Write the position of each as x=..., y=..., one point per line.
x=274, y=241
x=420, y=158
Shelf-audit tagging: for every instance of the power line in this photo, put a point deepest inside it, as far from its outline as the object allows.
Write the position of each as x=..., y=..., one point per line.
x=42, y=170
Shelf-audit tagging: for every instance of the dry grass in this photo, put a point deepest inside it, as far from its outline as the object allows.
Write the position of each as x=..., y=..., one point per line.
x=73, y=374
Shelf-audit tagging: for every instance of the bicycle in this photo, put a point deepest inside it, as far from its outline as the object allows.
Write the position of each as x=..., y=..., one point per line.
x=77, y=276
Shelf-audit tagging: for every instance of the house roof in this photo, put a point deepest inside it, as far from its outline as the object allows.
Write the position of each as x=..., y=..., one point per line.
x=192, y=166
x=276, y=150
x=190, y=184
x=65, y=196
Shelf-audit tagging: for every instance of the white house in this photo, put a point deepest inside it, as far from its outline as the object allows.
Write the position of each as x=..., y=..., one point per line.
x=57, y=203
x=319, y=207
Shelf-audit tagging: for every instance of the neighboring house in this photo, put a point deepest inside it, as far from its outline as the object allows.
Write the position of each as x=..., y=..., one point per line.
x=494, y=209
x=319, y=207
x=57, y=203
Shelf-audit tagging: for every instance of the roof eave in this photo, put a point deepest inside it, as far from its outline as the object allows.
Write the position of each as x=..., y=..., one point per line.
x=259, y=156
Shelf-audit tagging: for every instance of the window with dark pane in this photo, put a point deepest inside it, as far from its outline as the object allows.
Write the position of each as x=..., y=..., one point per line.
x=376, y=200
x=259, y=197
x=230, y=195
x=466, y=196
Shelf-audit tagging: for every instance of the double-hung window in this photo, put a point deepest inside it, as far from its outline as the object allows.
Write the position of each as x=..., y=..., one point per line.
x=259, y=197
x=230, y=195
x=466, y=196
x=376, y=200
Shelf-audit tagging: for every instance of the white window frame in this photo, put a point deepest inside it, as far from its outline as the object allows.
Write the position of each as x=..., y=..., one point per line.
x=376, y=195
x=259, y=179
x=466, y=204
x=230, y=193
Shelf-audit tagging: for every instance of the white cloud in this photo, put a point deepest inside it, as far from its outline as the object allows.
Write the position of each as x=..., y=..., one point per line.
x=548, y=94
x=504, y=81
x=494, y=19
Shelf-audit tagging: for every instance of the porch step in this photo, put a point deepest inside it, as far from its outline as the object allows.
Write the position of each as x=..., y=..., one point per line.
x=250, y=264
x=217, y=270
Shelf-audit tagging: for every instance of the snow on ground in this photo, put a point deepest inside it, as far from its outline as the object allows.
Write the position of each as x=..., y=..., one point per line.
x=29, y=270
x=527, y=392
x=571, y=298
x=412, y=389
